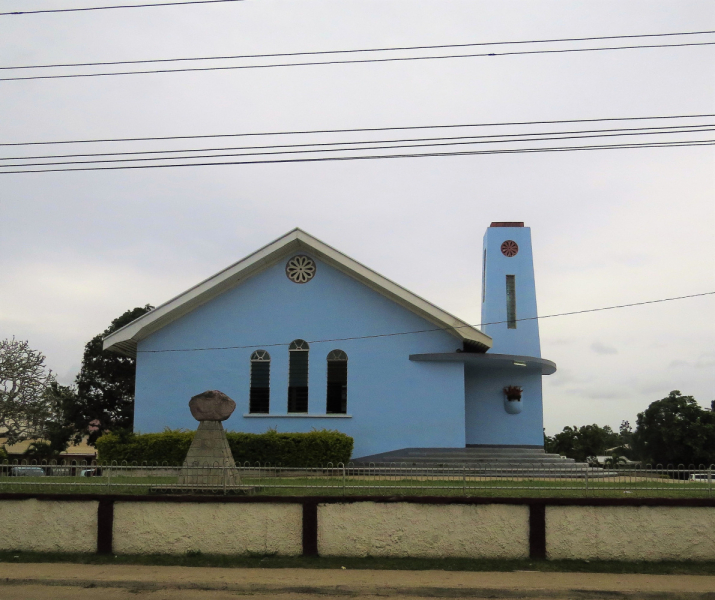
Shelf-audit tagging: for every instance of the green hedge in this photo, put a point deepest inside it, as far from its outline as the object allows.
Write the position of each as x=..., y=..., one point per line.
x=314, y=449
x=170, y=446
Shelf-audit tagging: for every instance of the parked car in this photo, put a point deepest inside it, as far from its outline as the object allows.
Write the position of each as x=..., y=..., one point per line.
x=26, y=471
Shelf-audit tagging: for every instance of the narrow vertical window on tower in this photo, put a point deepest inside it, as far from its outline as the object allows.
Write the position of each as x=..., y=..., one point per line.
x=298, y=376
x=260, y=393
x=337, y=403
x=511, y=302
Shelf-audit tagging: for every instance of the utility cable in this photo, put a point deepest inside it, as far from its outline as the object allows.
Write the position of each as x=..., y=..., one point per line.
x=384, y=335
x=373, y=157
x=63, y=10
x=354, y=61
x=321, y=150
x=358, y=50
x=354, y=130
x=514, y=138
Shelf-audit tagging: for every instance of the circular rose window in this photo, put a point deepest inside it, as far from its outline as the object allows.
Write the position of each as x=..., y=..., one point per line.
x=509, y=248
x=300, y=269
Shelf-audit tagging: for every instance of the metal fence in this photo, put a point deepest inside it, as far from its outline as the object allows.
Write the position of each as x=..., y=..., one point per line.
x=485, y=479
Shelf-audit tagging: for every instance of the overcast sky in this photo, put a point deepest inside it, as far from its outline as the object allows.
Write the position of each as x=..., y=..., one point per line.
x=608, y=227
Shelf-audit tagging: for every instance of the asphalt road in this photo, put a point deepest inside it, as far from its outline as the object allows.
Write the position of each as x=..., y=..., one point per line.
x=60, y=581
x=39, y=592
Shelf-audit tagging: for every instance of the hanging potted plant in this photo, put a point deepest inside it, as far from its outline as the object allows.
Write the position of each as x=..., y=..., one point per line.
x=512, y=399
x=513, y=392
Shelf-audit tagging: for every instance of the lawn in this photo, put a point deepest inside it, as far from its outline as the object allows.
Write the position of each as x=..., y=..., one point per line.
x=613, y=487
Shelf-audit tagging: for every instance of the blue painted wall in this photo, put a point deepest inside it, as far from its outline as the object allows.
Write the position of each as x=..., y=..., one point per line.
x=487, y=421
x=394, y=402
x=524, y=339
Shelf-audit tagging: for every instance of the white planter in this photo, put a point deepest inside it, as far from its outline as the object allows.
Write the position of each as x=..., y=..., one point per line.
x=513, y=407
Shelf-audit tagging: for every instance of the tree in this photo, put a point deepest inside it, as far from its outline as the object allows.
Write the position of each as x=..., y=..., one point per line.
x=626, y=438
x=105, y=386
x=59, y=431
x=26, y=404
x=581, y=443
x=56, y=433
x=676, y=430
x=615, y=460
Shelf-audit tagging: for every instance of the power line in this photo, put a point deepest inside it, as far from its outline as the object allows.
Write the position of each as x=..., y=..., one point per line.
x=63, y=10
x=354, y=61
x=358, y=50
x=321, y=150
x=399, y=333
x=373, y=157
x=354, y=130
x=636, y=131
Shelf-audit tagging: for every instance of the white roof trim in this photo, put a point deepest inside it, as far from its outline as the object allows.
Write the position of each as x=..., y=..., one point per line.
x=125, y=339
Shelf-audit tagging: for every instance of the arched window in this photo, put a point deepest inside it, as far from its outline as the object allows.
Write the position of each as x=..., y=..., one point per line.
x=337, y=383
x=260, y=396
x=298, y=376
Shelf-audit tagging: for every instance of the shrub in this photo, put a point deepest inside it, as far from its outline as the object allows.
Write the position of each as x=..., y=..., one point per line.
x=3, y=454
x=170, y=446
x=312, y=449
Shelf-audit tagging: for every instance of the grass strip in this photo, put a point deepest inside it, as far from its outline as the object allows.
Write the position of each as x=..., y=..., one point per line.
x=289, y=486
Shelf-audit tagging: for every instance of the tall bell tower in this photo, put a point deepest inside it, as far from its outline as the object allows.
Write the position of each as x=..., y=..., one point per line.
x=508, y=290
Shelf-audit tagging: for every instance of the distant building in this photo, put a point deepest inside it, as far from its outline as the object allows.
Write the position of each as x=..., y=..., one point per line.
x=302, y=336
x=74, y=453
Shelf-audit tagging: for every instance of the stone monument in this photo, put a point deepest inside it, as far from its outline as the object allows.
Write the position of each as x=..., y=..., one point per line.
x=209, y=461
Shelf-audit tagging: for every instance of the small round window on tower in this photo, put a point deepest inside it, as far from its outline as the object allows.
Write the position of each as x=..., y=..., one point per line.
x=509, y=248
x=300, y=269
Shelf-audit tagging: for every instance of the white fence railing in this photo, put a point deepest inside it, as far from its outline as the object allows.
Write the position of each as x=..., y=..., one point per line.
x=488, y=478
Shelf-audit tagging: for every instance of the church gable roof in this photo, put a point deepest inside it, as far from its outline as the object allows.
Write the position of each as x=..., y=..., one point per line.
x=125, y=340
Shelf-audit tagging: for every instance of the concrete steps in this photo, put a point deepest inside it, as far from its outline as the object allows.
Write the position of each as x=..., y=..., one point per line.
x=496, y=462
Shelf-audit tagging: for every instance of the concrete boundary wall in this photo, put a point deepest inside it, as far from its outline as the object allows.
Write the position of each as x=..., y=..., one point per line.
x=629, y=533
x=217, y=528
x=499, y=528
x=33, y=525
x=424, y=530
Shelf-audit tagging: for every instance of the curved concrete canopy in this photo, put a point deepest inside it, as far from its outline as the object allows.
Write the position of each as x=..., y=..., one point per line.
x=490, y=361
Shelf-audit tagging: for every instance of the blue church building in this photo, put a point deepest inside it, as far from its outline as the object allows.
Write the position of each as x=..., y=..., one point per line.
x=302, y=336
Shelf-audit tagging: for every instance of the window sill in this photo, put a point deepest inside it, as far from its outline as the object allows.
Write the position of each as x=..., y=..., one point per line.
x=295, y=416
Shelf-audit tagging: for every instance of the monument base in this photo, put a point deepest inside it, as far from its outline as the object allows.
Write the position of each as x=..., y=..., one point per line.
x=209, y=461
